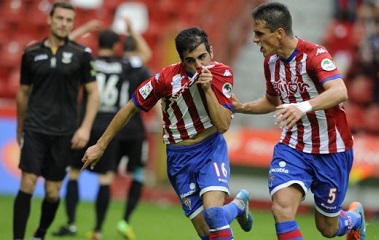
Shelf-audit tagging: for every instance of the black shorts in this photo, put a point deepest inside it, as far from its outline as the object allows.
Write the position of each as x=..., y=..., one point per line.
x=45, y=155
x=135, y=150
x=106, y=163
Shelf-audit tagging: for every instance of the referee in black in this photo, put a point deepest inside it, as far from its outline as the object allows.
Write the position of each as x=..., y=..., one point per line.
x=48, y=126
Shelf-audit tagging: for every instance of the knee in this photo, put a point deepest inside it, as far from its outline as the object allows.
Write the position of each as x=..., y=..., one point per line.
x=327, y=232
x=28, y=183
x=52, y=196
x=282, y=213
x=52, y=192
x=326, y=229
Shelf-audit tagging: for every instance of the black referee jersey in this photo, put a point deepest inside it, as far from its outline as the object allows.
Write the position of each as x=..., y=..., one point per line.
x=55, y=81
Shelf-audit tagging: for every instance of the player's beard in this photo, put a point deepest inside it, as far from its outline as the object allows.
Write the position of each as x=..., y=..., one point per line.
x=59, y=37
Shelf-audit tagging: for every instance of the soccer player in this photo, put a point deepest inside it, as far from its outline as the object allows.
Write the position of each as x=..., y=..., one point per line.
x=196, y=106
x=48, y=130
x=315, y=148
x=132, y=142
x=117, y=79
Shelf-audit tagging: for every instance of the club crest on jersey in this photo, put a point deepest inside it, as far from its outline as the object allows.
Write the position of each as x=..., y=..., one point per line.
x=227, y=90
x=146, y=90
x=327, y=64
x=66, y=57
x=187, y=202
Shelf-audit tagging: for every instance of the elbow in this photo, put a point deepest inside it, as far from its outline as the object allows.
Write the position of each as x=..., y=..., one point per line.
x=344, y=96
x=222, y=130
x=223, y=127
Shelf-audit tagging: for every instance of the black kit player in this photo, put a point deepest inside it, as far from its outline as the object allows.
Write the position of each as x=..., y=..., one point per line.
x=117, y=79
x=48, y=126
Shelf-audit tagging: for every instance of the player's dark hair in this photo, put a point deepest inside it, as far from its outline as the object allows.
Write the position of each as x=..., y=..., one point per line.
x=108, y=38
x=189, y=39
x=60, y=4
x=275, y=15
x=129, y=44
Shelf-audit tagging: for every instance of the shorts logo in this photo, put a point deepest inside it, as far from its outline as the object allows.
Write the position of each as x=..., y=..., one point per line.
x=327, y=64
x=66, y=57
x=185, y=196
x=187, y=202
x=280, y=169
x=271, y=179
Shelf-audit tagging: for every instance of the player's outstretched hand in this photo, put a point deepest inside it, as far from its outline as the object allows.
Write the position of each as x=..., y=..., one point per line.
x=92, y=156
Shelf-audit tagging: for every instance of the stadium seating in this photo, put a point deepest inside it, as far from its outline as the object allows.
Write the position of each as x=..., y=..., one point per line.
x=25, y=21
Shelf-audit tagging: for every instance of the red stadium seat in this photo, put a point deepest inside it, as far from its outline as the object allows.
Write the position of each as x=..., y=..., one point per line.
x=138, y=14
x=371, y=117
x=4, y=73
x=11, y=53
x=14, y=11
x=360, y=89
x=13, y=82
x=39, y=12
x=112, y=5
x=90, y=40
x=355, y=116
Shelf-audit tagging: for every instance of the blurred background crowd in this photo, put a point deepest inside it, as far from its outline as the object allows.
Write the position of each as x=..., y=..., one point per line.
x=351, y=34
x=349, y=29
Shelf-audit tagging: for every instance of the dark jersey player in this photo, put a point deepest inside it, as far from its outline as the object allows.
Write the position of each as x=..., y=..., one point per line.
x=117, y=79
x=48, y=129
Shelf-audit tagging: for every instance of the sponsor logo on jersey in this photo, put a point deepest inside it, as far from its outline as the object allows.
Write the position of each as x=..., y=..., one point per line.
x=156, y=77
x=227, y=90
x=66, y=57
x=227, y=73
x=320, y=51
x=87, y=49
x=327, y=64
x=177, y=79
x=146, y=90
x=40, y=57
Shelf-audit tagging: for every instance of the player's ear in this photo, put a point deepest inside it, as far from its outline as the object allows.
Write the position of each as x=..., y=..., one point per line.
x=280, y=32
x=211, y=52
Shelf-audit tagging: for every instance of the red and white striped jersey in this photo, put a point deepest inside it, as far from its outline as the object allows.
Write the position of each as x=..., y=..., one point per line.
x=184, y=107
x=300, y=78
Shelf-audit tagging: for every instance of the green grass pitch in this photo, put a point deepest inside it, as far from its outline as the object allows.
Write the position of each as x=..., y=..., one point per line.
x=153, y=221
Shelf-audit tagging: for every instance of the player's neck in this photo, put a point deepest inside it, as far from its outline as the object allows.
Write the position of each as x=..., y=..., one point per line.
x=288, y=47
x=105, y=52
x=54, y=42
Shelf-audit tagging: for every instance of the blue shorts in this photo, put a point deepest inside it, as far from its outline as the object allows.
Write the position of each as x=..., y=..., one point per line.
x=327, y=175
x=196, y=169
